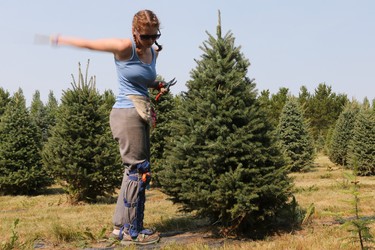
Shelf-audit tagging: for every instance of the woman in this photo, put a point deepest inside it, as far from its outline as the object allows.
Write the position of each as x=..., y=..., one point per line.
x=130, y=117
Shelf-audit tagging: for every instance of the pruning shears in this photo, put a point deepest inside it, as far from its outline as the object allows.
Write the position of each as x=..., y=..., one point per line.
x=165, y=85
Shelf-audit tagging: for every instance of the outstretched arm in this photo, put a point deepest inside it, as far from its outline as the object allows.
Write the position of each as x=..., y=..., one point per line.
x=119, y=47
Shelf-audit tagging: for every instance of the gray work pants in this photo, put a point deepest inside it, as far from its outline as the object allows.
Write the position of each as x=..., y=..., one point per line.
x=133, y=136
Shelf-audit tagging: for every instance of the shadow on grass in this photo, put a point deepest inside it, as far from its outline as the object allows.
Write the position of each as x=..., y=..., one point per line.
x=58, y=190
x=53, y=190
x=284, y=223
x=179, y=225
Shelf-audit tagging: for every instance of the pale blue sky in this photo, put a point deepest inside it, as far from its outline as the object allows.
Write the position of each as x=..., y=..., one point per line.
x=289, y=43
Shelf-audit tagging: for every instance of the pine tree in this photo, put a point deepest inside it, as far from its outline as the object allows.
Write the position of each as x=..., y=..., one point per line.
x=109, y=100
x=362, y=146
x=221, y=159
x=322, y=110
x=328, y=141
x=342, y=134
x=366, y=103
x=278, y=101
x=274, y=104
x=163, y=108
x=21, y=169
x=51, y=109
x=38, y=115
x=294, y=137
x=303, y=97
x=81, y=152
x=4, y=100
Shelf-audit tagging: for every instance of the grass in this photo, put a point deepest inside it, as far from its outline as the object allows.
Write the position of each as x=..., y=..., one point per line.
x=49, y=221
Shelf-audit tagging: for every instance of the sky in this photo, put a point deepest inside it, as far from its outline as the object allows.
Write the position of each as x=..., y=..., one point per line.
x=289, y=43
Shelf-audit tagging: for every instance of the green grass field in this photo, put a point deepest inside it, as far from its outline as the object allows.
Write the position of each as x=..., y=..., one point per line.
x=49, y=222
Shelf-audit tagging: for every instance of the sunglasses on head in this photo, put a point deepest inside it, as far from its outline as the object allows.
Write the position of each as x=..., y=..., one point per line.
x=148, y=37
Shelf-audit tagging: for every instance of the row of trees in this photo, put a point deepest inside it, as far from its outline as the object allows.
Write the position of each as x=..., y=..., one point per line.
x=69, y=142
x=352, y=140
x=220, y=148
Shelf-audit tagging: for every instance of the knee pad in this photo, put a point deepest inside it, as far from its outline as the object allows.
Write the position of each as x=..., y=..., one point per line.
x=135, y=197
x=144, y=169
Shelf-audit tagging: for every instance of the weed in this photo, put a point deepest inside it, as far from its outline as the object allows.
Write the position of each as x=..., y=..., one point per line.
x=65, y=234
x=309, y=214
x=357, y=225
x=95, y=237
x=12, y=243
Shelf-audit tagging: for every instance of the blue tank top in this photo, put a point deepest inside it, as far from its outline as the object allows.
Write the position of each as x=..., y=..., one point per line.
x=134, y=77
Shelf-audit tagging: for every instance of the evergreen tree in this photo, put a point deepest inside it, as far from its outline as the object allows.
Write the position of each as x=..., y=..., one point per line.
x=322, y=110
x=38, y=115
x=294, y=137
x=275, y=104
x=362, y=147
x=81, y=152
x=328, y=141
x=303, y=97
x=278, y=101
x=221, y=159
x=264, y=100
x=366, y=103
x=342, y=134
x=109, y=100
x=21, y=169
x=4, y=100
x=163, y=109
x=51, y=109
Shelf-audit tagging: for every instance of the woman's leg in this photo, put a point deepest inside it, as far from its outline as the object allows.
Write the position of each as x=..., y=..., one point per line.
x=132, y=133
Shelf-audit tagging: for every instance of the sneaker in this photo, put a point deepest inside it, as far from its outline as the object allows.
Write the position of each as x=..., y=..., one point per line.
x=141, y=239
x=148, y=231
x=114, y=236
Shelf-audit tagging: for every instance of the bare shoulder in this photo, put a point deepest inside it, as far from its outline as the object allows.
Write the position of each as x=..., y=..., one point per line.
x=125, y=49
x=126, y=43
